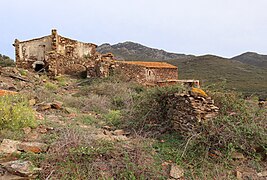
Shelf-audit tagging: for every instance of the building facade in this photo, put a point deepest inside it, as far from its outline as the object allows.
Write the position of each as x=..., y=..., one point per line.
x=55, y=54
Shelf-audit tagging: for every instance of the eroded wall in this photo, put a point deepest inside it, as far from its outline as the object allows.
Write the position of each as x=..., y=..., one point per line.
x=154, y=75
x=57, y=54
x=131, y=72
x=76, y=49
x=27, y=52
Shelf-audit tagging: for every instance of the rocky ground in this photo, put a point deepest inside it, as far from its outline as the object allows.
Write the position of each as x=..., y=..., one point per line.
x=58, y=110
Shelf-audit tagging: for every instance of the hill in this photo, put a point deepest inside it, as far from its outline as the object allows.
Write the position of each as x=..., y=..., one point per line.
x=134, y=51
x=252, y=58
x=245, y=73
x=213, y=69
x=6, y=61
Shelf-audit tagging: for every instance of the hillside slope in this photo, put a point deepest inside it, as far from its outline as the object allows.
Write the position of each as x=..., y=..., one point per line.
x=252, y=59
x=6, y=61
x=245, y=73
x=212, y=69
x=134, y=51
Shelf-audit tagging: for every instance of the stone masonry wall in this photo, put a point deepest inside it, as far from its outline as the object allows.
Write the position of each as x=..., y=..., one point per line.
x=27, y=52
x=186, y=112
x=76, y=49
x=58, y=55
x=154, y=75
x=59, y=64
x=132, y=72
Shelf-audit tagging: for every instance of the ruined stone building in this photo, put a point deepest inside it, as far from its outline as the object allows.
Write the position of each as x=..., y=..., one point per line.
x=147, y=72
x=55, y=54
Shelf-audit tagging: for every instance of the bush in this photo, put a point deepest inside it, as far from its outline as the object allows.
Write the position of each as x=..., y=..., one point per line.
x=147, y=109
x=5, y=61
x=50, y=86
x=113, y=117
x=15, y=113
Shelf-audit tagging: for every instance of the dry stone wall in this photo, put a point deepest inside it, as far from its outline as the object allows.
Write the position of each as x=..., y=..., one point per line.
x=187, y=112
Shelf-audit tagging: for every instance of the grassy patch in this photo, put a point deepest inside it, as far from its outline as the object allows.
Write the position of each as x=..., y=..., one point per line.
x=50, y=86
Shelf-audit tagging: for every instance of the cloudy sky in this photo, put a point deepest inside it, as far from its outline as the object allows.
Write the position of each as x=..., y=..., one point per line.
x=222, y=27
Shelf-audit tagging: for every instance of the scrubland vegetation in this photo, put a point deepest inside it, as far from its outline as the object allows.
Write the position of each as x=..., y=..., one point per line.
x=76, y=153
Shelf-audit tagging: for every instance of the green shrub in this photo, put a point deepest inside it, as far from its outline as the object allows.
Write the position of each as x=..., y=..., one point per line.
x=5, y=61
x=147, y=108
x=50, y=86
x=15, y=113
x=61, y=80
x=23, y=72
x=113, y=117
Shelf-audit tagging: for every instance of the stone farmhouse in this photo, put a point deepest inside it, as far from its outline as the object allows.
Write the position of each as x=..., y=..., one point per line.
x=148, y=73
x=57, y=55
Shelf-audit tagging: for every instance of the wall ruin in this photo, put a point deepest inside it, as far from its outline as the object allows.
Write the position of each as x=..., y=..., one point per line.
x=145, y=75
x=55, y=54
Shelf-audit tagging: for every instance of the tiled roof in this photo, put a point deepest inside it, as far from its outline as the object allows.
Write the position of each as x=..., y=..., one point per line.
x=151, y=64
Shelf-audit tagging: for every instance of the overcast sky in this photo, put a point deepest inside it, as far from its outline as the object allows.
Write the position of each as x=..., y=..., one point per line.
x=222, y=27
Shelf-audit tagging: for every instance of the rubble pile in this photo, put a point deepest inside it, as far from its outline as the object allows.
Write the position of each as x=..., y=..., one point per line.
x=186, y=112
x=15, y=79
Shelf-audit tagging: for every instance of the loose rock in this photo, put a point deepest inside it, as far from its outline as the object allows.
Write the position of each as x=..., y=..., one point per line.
x=176, y=171
x=9, y=146
x=34, y=147
x=21, y=168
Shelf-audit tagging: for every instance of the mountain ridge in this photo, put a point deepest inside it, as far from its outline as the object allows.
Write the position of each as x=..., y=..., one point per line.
x=134, y=51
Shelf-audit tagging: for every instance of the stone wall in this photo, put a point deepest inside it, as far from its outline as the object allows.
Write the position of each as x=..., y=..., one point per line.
x=57, y=64
x=131, y=72
x=76, y=49
x=153, y=75
x=187, y=112
x=145, y=75
x=27, y=52
x=56, y=54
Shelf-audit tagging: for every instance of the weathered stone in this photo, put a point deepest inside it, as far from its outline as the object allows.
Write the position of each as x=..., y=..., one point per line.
x=9, y=146
x=21, y=168
x=238, y=156
x=34, y=147
x=262, y=174
x=176, y=171
x=238, y=175
x=186, y=117
x=107, y=128
x=6, y=92
x=27, y=130
x=44, y=106
x=32, y=102
x=119, y=132
x=55, y=54
x=56, y=105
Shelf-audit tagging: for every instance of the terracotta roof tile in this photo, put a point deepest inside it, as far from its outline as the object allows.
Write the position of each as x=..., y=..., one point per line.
x=151, y=64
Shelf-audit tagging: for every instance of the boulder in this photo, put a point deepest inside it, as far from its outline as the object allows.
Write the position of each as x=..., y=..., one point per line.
x=176, y=171
x=21, y=168
x=56, y=105
x=9, y=146
x=34, y=147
